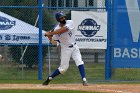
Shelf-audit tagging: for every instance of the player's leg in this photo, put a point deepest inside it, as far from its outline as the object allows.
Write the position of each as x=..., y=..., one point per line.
x=54, y=74
x=65, y=57
x=76, y=55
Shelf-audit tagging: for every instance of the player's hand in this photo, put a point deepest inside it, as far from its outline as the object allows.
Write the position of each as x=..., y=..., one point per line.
x=47, y=34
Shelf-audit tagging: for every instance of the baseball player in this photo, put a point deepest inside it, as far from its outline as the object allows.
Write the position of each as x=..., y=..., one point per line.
x=64, y=34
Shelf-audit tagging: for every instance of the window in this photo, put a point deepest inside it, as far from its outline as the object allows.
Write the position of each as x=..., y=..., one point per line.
x=75, y=3
x=53, y=3
x=91, y=3
x=68, y=3
x=49, y=2
x=61, y=3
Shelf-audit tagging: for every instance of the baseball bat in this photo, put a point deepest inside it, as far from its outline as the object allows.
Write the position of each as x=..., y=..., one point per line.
x=52, y=29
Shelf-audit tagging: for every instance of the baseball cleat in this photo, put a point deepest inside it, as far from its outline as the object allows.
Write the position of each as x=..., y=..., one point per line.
x=46, y=82
x=85, y=83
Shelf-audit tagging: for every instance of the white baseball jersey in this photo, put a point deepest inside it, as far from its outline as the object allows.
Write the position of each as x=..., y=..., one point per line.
x=67, y=38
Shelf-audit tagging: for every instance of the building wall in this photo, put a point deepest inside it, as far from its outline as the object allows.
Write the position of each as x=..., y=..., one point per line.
x=73, y=3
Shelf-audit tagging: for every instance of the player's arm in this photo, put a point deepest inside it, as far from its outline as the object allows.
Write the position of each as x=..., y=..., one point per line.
x=59, y=31
x=52, y=40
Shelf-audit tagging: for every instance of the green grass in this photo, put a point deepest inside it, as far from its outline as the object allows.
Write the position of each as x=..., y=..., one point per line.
x=11, y=73
x=44, y=91
x=21, y=81
x=128, y=74
x=93, y=72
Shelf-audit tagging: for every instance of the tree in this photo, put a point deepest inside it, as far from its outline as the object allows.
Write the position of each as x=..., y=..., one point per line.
x=31, y=55
x=28, y=15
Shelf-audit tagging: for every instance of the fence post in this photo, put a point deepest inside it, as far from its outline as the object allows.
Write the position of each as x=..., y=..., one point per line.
x=108, y=51
x=40, y=41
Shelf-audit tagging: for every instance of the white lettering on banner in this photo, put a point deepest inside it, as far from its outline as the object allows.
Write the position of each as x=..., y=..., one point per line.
x=127, y=53
x=7, y=23
x=117, y=52
x=134, y=18
x=89, y=27
x=91, y=39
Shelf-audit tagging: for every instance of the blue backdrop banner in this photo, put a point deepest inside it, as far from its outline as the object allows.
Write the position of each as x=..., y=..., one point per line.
x=126, y=33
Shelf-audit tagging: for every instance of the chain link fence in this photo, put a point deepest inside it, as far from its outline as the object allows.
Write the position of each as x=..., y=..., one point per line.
x=27, y=10
x=94, y=59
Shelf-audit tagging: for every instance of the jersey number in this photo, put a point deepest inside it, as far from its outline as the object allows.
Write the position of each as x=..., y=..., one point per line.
x=70, y=33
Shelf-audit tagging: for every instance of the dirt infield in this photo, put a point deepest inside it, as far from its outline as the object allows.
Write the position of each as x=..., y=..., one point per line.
x=109, y=88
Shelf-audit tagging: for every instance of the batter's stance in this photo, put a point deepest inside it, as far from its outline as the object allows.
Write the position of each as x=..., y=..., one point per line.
x=64, y=34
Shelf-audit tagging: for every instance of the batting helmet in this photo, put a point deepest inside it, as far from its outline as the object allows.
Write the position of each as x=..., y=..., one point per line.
x=58, y=15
